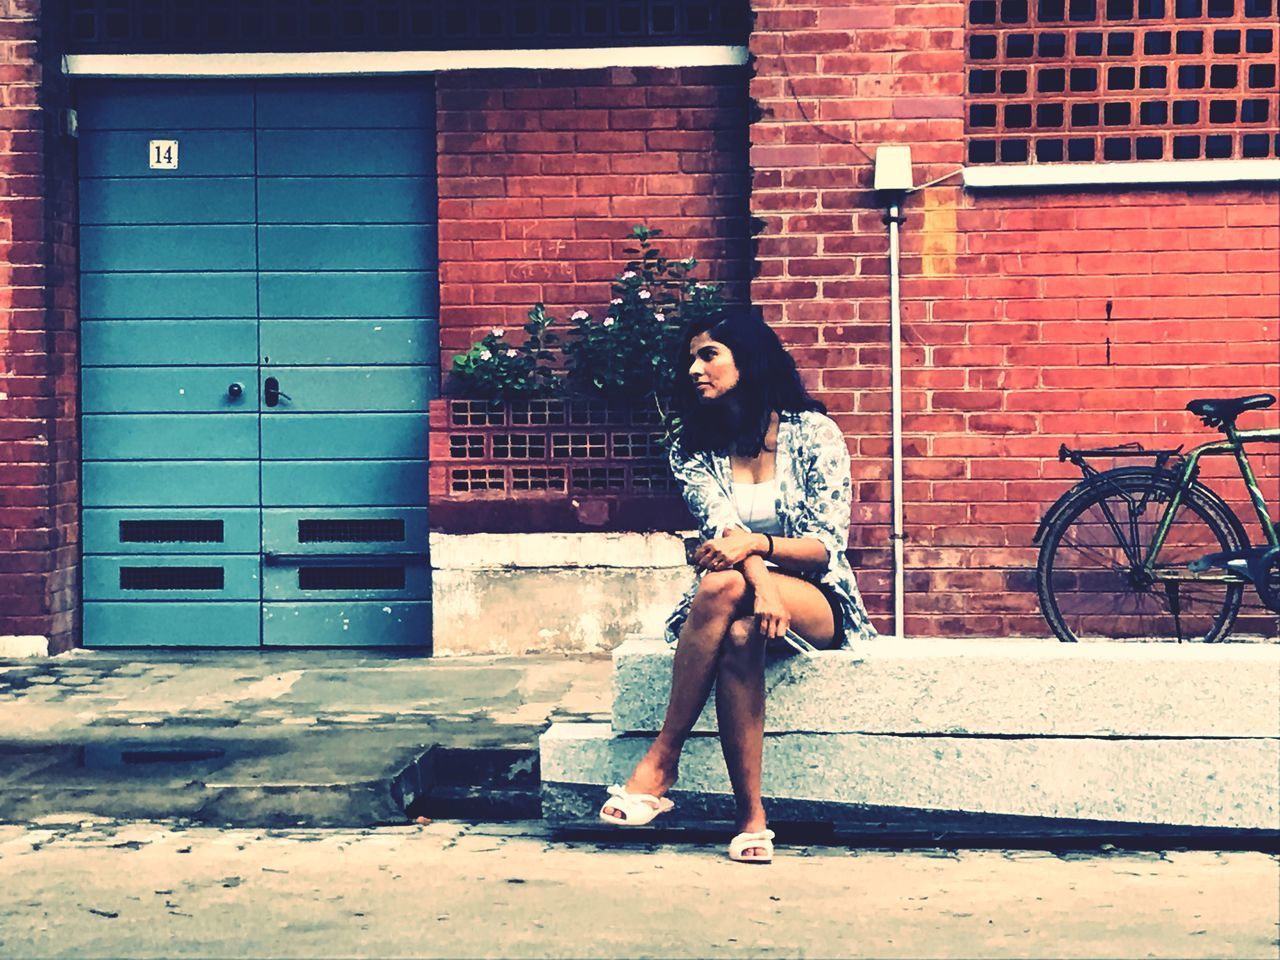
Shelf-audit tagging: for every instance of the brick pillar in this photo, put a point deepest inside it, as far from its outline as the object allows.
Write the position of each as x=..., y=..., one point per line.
x=833, y=82
x=39, y=453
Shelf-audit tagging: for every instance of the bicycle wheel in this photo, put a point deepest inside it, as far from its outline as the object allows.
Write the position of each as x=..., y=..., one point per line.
x=1090, y=577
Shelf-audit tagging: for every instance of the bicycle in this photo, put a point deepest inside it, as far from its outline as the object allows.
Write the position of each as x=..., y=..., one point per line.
x=1150, y=552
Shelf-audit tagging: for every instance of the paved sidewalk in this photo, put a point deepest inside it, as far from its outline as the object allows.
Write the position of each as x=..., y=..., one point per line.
x=453, y=890
x=251, y=738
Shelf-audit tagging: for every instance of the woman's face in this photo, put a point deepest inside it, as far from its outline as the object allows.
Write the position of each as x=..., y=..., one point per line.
x=711, y=368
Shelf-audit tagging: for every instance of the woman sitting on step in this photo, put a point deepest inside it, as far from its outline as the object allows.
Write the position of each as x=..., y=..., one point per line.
x=766, y=474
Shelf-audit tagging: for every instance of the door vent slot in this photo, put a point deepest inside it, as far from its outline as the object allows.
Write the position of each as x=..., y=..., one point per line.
x=171, y=531
x=351, y=578
x=171, y=578
x=350, y=531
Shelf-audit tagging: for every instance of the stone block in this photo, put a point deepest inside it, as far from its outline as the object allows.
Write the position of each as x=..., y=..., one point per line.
x=514, y=612
x=19, y=648
x=990, y=687
x=528, y=593
x=1184, y=783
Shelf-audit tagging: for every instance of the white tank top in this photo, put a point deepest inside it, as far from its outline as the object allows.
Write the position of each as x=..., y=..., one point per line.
x=757, y=506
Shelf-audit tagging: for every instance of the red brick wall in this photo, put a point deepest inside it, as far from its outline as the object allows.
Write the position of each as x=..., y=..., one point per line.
x=542, y=174
x=1004, y=305
x=39, y=458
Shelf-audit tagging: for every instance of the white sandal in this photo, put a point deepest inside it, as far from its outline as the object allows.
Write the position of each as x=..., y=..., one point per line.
x=762, y=840
x=640, y=808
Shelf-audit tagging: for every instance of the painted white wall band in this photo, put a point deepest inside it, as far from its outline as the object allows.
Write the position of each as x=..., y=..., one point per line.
x=393, y=62
x=1106, y=174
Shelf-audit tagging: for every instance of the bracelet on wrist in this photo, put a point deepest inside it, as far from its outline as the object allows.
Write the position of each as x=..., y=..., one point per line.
x=768, y=554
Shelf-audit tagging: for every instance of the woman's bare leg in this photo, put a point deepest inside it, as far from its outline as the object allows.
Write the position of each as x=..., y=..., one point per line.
x=693, y=670
x=740, y=693
x=740, y=710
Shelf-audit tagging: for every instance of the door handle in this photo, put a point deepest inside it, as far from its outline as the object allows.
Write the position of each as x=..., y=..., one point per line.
x=271, y=392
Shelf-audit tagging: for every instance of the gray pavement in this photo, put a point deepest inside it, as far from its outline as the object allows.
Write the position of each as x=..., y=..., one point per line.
x=101, y=889
x=127, y=785
x=316, y=738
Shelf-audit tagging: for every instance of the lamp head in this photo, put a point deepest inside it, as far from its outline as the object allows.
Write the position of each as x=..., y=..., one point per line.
x=893, y=170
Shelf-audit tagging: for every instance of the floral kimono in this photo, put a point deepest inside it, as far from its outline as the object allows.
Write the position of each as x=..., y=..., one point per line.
x=814, y=493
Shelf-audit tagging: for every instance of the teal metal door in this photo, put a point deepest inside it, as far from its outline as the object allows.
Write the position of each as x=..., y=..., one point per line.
x=259, y=339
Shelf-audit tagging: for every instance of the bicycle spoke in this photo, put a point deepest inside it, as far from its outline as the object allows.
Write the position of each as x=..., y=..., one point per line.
x=1097, y=579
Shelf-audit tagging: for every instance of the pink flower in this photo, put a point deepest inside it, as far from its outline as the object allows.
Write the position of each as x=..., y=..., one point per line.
x=486, y=355
x=497, y=331
x=608, y=322
x=644, y=294
x=580, y=315
x=512, y=353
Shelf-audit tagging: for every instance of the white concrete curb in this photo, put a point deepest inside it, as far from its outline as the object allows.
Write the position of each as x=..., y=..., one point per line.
x=1039, y=688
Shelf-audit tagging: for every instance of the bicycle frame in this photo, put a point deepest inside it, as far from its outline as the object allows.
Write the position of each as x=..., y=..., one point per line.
x=1234, y=444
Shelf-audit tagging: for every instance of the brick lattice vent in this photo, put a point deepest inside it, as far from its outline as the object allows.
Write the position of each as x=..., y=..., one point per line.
x=550, y=464
x=548, y=448
x=1054, y=81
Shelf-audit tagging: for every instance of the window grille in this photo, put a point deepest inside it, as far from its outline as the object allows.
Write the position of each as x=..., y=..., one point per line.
x=1052, y=81
x=184, y=26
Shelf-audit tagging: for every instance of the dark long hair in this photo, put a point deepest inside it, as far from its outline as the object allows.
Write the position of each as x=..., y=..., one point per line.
x=768, y=383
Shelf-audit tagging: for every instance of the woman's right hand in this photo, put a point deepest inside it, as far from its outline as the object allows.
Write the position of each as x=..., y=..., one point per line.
x=772, y=619
x=727, y=551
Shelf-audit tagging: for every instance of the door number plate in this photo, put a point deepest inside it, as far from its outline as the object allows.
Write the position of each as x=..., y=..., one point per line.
x=163, y=154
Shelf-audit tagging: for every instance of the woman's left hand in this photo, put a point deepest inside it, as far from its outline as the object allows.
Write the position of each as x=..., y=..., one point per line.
x=725, y=553
x=772, y=618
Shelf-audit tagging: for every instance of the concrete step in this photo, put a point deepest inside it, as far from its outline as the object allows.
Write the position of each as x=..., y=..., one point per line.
x=475, y=783
x=990, y=687
x=282, y=738
x=230, y=777
x=1087, y=785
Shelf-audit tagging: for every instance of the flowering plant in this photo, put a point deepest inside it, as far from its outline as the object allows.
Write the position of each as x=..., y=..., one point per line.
x=494, y=369
x=624, y=355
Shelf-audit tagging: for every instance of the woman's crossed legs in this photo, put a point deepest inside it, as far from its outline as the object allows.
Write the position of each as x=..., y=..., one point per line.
x=719, y=643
